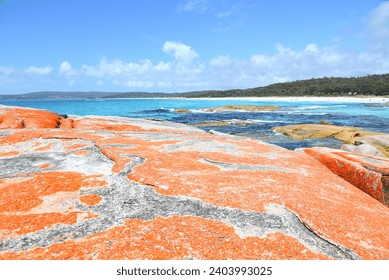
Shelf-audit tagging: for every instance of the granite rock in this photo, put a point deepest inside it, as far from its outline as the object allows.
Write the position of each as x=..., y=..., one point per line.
x=347, y=134
x=119, y=188
x=368, y=173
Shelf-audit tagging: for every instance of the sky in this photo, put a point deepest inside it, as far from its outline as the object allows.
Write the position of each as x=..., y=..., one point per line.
x=186, y=45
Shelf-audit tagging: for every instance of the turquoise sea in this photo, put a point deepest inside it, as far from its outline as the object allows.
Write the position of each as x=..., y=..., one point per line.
x=370, y=116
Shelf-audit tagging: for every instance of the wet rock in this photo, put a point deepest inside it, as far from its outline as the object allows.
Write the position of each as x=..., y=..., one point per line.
x=119, y=188
x=349, y=135
x=182, y=111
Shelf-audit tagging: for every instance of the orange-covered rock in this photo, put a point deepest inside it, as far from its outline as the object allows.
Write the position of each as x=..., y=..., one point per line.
x=119, y=188
x=27, y=118
x=368, y=173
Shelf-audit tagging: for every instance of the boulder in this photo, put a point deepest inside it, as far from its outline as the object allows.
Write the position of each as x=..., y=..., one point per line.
x=182, y=111
x=365, y=149
x=347, y=134
x=368, y=173
x=120, y=188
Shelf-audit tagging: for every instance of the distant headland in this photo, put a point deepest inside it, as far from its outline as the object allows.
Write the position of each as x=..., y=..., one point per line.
x=371, y=85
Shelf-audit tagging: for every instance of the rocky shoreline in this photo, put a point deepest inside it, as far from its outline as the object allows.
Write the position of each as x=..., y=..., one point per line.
x=120, y=188
x=354, y=139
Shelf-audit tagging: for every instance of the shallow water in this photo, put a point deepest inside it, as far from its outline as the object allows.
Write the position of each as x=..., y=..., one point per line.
x=257, y=125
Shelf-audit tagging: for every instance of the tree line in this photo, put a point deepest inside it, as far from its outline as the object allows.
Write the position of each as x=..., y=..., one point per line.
x=375, y=85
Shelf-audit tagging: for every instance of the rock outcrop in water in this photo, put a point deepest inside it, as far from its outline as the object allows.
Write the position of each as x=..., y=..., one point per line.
x=355, y=139
x=117, y=188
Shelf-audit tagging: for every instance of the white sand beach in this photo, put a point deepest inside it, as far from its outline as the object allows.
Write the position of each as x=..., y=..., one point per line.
x=367, y=99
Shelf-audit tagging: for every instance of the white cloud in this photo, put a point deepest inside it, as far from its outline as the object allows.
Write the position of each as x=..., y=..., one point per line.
x=224, y=14
x=162, y=66
x=182, y=53
x=66, y=69
x=220, y=61
x=6, y=70
x=379, y=20
x=288, y=64
x=117, y=68
x=184, y=71
x=312, y=48
x=33, y=70
x=194, y=6
x=378, y=27
x=140, y=84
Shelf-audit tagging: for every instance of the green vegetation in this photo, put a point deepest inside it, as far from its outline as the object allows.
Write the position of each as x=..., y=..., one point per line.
x=375, y=85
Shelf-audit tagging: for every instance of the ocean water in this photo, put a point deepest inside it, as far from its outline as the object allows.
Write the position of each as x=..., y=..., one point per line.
x=370, y=116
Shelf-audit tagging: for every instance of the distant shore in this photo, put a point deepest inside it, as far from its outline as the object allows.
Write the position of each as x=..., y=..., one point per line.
x=367, y=99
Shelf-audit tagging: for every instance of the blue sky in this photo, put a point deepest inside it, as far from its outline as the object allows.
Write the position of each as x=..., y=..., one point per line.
x=183, y=45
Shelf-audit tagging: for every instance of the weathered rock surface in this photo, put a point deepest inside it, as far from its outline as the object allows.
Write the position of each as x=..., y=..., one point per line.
x=349, y=135
x=370, y=174
x=365, y=149
x=116, y=188
x=182, y=111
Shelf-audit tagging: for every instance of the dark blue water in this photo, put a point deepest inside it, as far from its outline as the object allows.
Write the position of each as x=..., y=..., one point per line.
x=257, y=124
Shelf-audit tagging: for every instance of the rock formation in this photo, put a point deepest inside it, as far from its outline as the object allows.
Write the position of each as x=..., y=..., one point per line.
x=375, y=143
x=370, y=174
x=118, y=188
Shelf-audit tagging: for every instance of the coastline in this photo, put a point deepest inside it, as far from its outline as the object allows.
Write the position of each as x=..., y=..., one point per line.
x=349, y=99
x=366, y=99
x=92, y=186
x=352, y=99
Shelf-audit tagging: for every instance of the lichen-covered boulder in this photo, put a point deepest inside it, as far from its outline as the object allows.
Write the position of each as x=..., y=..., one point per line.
x=368, y=173
x=118, y=188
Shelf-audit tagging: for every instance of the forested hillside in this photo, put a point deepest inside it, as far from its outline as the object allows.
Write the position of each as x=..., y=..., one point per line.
x=374, y=85
x=377, y=85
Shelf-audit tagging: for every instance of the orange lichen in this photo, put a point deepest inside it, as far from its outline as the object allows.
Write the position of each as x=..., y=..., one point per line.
x=103, y=124
x=47, y=147
x=22, y=224
x=45, y=165
x=9, y=154
x=117, y=156
x=91, y=199
x=66, y=123
x=20, y=136
x=233, y=173
x=74, y=147
x=28, y=118
x=349, y=169
x=12, y=123
x=172, y=238
x=23, y=196
x=81, y=153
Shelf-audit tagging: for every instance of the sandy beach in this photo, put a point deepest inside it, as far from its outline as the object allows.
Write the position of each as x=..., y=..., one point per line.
x=367, y=99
